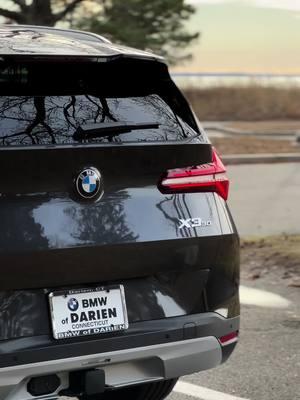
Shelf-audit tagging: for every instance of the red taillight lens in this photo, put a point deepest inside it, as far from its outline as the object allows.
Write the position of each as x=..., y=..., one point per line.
x=203, y=178
x=230, y=338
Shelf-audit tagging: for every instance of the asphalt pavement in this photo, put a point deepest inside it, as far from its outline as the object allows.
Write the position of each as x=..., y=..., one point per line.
x=265, y=198
x=266, y=362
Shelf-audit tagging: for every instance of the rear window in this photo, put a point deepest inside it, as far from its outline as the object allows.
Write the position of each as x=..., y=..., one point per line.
x=44, y=110
x=26, y=120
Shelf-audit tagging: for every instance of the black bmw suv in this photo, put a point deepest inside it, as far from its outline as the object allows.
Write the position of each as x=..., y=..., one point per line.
x=119, y=257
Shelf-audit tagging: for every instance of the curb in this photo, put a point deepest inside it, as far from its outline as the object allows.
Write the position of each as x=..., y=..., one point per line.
x=262, y=134
x=235, y=159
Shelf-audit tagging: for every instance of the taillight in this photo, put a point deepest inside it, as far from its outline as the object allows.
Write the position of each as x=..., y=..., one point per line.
x=208, y=177
x=229, y=338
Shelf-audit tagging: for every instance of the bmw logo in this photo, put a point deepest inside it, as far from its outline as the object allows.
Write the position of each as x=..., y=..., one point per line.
x=88, y=183
x=73, y=304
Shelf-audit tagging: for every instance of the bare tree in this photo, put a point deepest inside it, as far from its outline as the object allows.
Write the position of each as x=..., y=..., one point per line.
x=39, y=12
x=158, y=25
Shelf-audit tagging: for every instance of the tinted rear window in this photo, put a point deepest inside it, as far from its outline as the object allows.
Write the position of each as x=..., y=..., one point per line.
x=54, y=119
x=44, y=110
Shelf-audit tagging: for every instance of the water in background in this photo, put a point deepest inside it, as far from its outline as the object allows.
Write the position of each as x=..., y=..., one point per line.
x=206, y=80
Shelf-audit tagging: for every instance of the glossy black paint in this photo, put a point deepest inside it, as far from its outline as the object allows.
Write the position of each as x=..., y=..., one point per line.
x=51, y=238
x=25, y=313
x=18, y=40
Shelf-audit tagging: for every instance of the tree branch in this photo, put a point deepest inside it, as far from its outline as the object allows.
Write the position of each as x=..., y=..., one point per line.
x=68, y=9
x=16, y=16
x=20, y=3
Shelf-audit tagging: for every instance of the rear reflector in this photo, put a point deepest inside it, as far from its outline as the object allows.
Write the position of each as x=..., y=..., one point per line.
x=230, y=338
x=209, y=177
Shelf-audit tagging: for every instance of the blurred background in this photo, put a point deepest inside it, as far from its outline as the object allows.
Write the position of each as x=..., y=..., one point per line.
x=238, y=63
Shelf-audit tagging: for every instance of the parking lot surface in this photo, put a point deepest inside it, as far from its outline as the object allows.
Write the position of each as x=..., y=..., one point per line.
x=265, y=198
x=266, y=363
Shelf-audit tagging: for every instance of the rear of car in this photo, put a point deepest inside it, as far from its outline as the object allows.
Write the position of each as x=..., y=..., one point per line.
x=119, y=257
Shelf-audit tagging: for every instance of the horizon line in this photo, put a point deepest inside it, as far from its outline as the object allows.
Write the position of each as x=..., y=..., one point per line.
x=241, y=74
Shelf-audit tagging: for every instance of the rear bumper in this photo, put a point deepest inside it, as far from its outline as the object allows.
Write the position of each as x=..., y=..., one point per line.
x=148, y=351
x=124, y=367
x=37, y=349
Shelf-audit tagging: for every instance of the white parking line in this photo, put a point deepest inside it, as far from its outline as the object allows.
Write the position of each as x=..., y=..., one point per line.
x=262, y=298
x=202, y=393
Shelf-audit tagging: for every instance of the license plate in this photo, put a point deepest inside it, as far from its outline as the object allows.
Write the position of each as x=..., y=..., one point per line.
x=85, y=312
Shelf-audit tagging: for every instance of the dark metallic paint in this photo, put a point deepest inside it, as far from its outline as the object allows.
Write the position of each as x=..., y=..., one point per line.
x=35, y=41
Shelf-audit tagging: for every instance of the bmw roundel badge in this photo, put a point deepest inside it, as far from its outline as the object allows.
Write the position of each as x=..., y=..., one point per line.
x=88, y=183
x=73, y=304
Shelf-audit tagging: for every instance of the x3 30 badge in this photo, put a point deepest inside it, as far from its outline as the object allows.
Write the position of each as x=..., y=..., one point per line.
x=193, y=223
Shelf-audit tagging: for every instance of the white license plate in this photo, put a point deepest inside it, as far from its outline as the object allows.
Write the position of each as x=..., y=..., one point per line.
x=85, y=312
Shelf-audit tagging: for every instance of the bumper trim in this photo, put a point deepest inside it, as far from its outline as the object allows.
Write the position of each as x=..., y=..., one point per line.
x=124, y=367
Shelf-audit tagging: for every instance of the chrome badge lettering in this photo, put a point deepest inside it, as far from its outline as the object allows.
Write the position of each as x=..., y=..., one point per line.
x=193, y=223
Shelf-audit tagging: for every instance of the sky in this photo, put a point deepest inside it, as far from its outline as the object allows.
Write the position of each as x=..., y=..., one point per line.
x=244, y=36
x=254, y=36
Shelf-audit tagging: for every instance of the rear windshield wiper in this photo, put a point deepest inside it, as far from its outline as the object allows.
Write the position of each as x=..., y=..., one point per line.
x=110, y=128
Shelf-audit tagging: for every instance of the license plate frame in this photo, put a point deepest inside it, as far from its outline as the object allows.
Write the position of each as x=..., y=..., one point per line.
x=94, y=311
